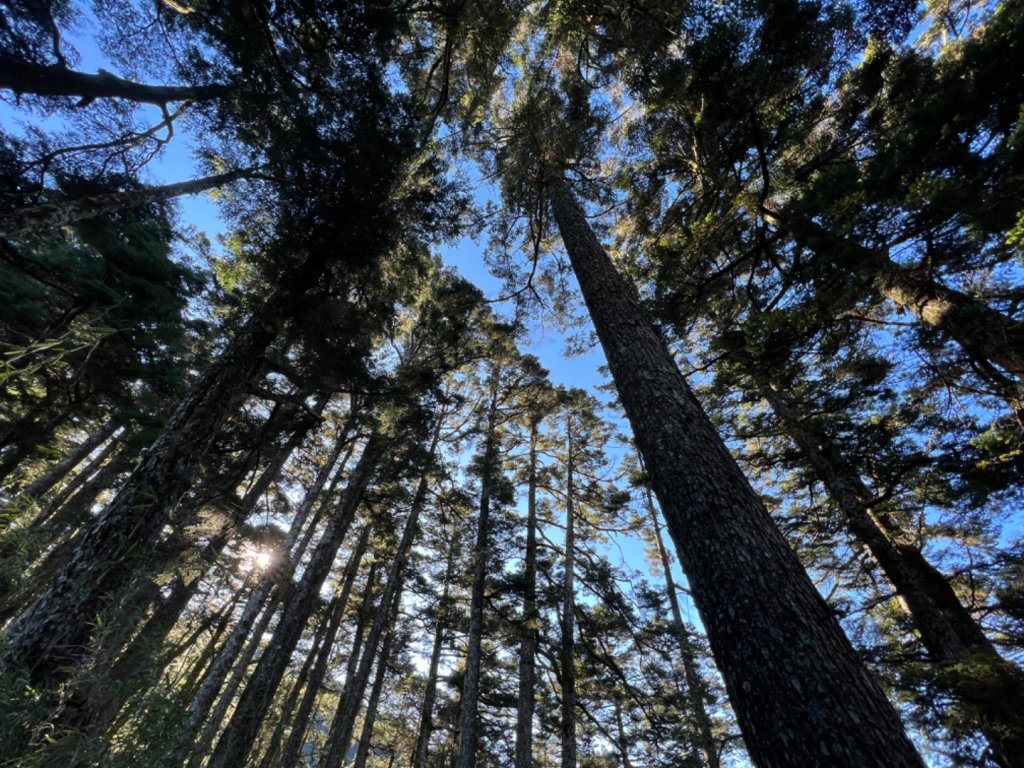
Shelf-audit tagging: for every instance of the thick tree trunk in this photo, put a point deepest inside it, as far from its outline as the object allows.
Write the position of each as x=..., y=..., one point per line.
x=300, y=718
x=567, y=655
x=52, y=635
x=801, y=695
x=469, y=716
x=21, y=77
x=419, y=759
x=58, y=214
x=704, y=739
x=990, y=688
x=531, y=619
x=237, y=740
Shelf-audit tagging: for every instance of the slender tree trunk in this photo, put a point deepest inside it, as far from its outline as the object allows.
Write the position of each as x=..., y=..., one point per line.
x=704, y=739
x=419, y=759
x=567, y=649
x=300, y=719
x=42, y=484
x=52, y=635
x=531, y=619
x=39, y=218
x=348, y=707
x=990, y=688
x=470, y=716
x=21, y=76
x=70, y=503
x=370, y=718
x=623, y=742
x=801, y=694
x=237, y=740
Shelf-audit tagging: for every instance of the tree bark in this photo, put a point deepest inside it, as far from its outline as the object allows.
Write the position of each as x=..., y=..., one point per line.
x=42, y=484
x=370, y=718
x=984, y=333
x=58, y=214
x=469, y=716
x=990, y=688
x=419, y=759
x=237, y=740
x=300, y=720
x=704, y=739
x=21, y=76
x=801, y=695
x=531, y=618
x=52, y=635
x=567, y=652
x=348, y=707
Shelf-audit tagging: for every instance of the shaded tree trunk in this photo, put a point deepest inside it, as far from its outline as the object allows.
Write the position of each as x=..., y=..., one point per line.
x=42, y=484
x=300, y=718
x=469, y=715
x=990, y=688
x=801, y=694
x=704, y=739
x=22, y=76
x=531, y=619
x=419, y=759
x=58, y=214
x=370, y=718
x=567, y=654
x=52, y=635
x=237, y=740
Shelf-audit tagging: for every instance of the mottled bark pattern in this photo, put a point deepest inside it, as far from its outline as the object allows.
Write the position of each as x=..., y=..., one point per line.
x=991, y=688
x=802, y=696
x=567, y=655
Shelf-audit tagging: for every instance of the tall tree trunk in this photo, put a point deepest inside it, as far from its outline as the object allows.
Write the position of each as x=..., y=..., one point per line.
x=42, y=484
x=567, y=649
x=348, y=707
x=77, y=495
x=419, y=759
x=469, y=716
x=300, y=718
x=990, y=688
x=46, y=216
x=52, y=635
x=370, y=718
x=531, y=619
x=704, y=739
x=237, y=740
x=22, y=76
x=984, y=333
x=801, y=694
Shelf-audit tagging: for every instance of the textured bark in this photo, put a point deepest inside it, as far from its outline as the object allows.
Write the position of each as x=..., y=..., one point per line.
x=419, y=759
x=42, y=484
x=237, y=740
x=567, y=656
x=58, y=214
x=52, y=635
x=469, y=715
x=71, y=502
x=704, y=739
x=21, y=76
x=990, y=688
x=531, y=619
x=300, y=719
x=801, y=695
x=984, y=333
